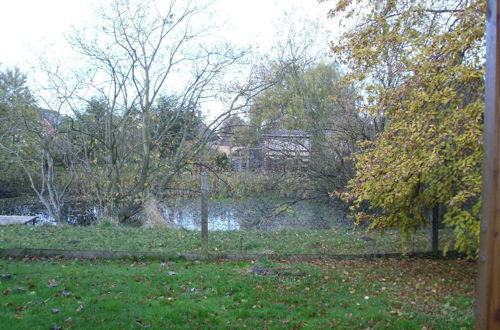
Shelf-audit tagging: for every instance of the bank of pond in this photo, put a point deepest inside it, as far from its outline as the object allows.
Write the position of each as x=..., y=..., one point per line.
x=224, y=214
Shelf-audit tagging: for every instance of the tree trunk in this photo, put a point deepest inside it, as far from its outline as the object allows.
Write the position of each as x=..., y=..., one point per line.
x=434, y=220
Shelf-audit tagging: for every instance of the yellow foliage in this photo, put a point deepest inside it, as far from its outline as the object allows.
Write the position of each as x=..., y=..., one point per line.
x=421, y=66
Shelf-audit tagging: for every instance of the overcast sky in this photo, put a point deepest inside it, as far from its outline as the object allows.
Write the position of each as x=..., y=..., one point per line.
x=37, y=27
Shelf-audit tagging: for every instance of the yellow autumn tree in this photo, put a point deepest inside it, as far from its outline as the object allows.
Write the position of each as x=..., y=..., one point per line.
x=419, y=67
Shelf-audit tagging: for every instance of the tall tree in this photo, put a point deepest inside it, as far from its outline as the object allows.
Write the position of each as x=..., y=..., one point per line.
x=35, y=142
x=420, y=66
x=138, y=52
x=309, y=98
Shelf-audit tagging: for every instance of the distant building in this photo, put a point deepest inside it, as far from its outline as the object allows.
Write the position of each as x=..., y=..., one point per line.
x=51, y=120
x=286, y=150
x=278, y=150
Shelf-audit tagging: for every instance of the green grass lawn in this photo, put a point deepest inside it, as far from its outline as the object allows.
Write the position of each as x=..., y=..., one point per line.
x=398, y=294
x=340, y=240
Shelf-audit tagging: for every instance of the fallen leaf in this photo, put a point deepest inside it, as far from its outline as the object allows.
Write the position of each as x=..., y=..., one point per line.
x=19, y=290
x=65, y=293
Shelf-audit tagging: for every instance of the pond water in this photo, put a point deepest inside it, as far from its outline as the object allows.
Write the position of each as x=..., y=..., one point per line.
x=231, y=214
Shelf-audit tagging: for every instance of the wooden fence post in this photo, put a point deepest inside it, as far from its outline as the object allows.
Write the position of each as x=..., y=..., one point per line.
x=488, y=285
x=204, y=212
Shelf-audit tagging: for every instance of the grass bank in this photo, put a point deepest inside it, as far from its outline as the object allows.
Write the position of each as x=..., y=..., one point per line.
x=339, y=240
x=399, y=294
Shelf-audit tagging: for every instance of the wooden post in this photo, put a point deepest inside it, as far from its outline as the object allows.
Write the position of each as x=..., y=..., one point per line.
x=204, y=212
x=241, y=244
x=434, y=218
x=488, y=285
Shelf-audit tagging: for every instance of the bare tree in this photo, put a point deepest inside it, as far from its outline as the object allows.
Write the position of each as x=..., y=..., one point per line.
x=35, y=141
x=138, y=54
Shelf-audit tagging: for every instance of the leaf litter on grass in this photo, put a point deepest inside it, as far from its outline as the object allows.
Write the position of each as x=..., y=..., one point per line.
x=417, y=292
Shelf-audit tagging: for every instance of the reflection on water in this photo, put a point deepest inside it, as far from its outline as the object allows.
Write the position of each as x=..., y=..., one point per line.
x=240, y=214
x=252, y=214
x=77, y=212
